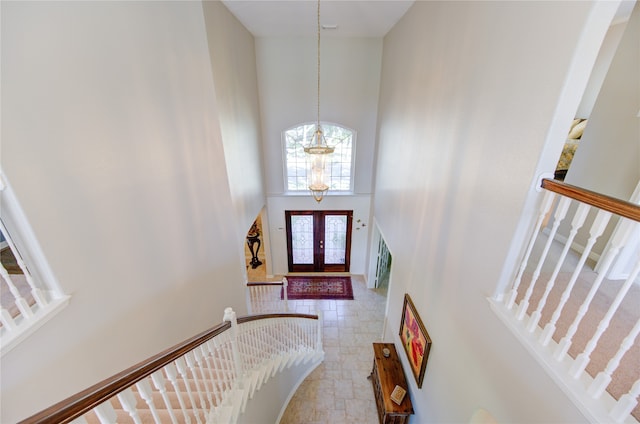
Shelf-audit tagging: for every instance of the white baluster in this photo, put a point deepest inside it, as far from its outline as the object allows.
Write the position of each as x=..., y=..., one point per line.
x=282, y=331
x=40, y=300
x=218, y=360
x=563, y=347
x=105, y=413
x=21, y=302
x=255, y=299
x=197, y=377
x=561, y=212
x=215, y=387
x=576, y=223
x=285, y=285
x=160, y=384
x=300, y=334
x=128, y=401
x=602, y=380
x=304, y=328
x=243, y=350
x=583, y=359
x=230, y=316
x=292, y=336
x=252, y=338
x=225, y=352
x=204, y=370
x=263, y=295
x=181, y=366
x=215, y=361
x=595, y=231
x=265, y=331
x=249, y=298
x=172, y=376
x=626, y=403
x=544, y=209
x=257, y=341
x=144, y=388
x=319, y=332
x=7, y=321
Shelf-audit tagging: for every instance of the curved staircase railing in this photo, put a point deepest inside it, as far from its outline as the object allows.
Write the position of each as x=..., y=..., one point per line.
x=205, y=379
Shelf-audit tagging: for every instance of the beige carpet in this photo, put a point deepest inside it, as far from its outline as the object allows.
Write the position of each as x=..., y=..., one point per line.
x=609, y=343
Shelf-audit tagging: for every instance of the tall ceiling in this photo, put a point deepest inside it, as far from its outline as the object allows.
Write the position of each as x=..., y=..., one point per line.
x=298, y=18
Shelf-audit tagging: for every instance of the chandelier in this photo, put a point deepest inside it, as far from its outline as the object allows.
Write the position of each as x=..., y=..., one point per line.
x=318, y=150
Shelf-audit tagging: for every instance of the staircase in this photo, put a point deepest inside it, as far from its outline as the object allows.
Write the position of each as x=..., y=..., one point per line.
x=206, y=379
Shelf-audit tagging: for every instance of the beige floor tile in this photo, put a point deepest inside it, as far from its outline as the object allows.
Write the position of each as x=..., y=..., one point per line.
x=338, y=391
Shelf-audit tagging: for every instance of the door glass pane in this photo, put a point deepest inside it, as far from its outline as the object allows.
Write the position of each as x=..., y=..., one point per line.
x=335, y=239
x=302, y=239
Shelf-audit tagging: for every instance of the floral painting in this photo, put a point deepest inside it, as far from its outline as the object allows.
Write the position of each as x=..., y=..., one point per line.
x=415, y=339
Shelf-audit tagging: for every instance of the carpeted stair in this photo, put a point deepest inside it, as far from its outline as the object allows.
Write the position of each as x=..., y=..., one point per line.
x=204, y=381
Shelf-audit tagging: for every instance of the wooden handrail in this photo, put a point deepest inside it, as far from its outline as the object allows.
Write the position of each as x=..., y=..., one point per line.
x=249, y=318
x=602, y=201
x=74, y=406
x=82, y=402
x=266, y=283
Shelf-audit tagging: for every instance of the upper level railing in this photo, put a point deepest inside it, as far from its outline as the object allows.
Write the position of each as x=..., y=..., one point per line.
x=601, y=201
x=581, y=323
x=30, y=295
x=207, y=378
x=25, y=303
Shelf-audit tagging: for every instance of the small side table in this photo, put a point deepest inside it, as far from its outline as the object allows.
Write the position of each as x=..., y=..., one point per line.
x=387, y=372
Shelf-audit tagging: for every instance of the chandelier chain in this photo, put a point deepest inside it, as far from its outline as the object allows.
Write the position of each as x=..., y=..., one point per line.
x=318, y=64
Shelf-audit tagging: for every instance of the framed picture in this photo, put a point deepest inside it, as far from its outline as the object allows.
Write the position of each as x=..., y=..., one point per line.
x=415, y=339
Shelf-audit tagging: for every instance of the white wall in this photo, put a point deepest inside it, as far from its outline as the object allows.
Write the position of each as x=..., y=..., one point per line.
x=233, y=61
x=608, y=157
x=599, y=72
x=465, y=114
x=111, y=140
x=287, y=80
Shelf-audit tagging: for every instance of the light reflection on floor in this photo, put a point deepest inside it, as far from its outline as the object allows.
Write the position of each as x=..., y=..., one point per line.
x=338, y=391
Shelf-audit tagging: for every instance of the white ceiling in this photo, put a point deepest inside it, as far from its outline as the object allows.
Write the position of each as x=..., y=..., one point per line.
x=287, y=18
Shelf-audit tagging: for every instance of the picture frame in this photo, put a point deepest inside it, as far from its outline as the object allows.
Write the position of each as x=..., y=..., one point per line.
x=415, y=339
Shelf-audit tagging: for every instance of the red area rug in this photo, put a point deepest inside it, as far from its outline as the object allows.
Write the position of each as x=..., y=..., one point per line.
x=336, y=288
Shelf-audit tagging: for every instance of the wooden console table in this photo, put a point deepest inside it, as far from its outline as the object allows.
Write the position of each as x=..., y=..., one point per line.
x=385, y=375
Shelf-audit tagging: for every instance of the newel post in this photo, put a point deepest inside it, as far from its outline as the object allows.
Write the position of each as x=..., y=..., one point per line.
x=230, y=316
x=319, y=335
x=285, y=284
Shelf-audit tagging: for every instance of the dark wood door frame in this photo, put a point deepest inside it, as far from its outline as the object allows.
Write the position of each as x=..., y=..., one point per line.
x=318, y=242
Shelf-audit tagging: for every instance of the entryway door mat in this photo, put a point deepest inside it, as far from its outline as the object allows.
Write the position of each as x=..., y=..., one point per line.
x=318, y=287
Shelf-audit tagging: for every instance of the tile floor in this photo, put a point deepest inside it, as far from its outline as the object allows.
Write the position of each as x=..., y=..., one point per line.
x=338, y=391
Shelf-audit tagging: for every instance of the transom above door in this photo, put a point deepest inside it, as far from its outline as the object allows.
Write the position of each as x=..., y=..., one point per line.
x=319, y=241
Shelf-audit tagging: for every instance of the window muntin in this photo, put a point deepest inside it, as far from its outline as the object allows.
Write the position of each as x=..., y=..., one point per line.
x=339, y=176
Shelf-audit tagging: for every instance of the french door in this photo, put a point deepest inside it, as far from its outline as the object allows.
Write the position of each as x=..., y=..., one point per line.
x=318, y=241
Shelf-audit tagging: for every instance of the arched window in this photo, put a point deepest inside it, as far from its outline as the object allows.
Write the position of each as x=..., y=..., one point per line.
x=340, y=171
